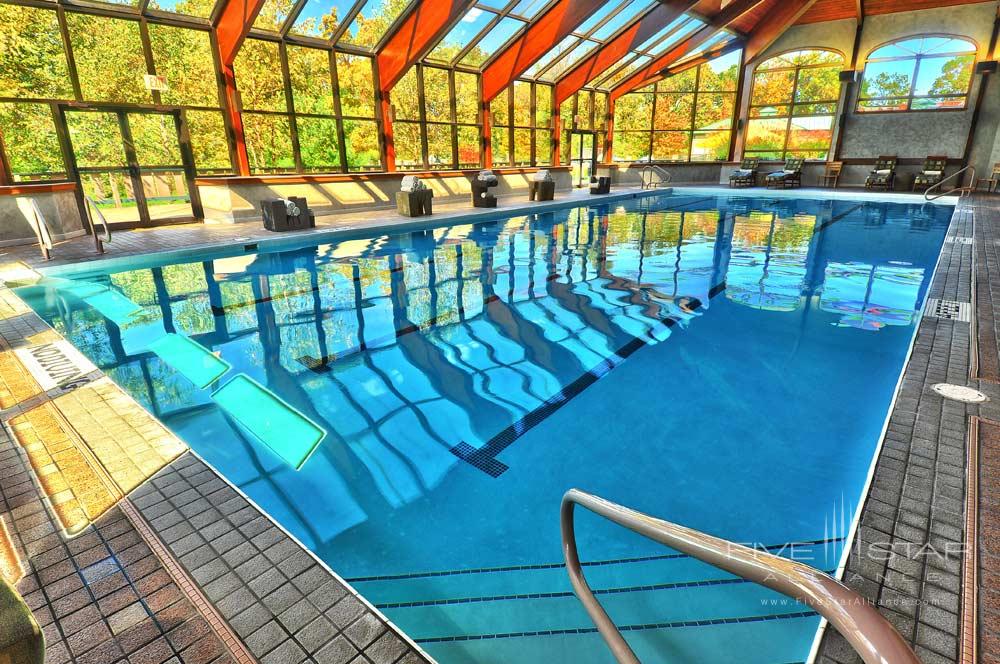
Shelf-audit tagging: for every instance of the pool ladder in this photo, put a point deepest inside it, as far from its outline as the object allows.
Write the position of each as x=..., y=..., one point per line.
x=652, y=176
x=872, y=636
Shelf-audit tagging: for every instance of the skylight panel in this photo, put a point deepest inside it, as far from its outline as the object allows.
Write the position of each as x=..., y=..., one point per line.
x=669, y=42
x=528, y=8
x=321, y=18
x=460, y=36
x=668, y=29
x=272, y=15
x=492, y=41
x=494, y=4
x=623, y=72
x=569, y=61
x=709, y=44
x=198, y=8
x=598, y=16
x=552, y=55
x=622, y=18
x=372, y=22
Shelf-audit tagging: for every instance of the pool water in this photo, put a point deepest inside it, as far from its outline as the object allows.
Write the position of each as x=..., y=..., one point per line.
x=719, y=361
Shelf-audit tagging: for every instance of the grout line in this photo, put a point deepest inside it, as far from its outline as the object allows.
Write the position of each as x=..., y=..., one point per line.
x=187, y=585
x=968, y=625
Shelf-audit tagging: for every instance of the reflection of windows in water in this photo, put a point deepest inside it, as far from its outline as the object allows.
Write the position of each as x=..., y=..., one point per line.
x=767, y=264
x=870, y=298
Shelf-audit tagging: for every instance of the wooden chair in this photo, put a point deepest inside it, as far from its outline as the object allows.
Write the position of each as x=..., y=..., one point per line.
x=883, y=176
x=992, y=182
x=931, y=173
x=832, y=173
x=746, y=174
x=789, y=176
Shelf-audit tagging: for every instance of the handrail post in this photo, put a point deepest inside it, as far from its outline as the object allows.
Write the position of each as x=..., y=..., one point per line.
x=870, y=634
x=963, y=190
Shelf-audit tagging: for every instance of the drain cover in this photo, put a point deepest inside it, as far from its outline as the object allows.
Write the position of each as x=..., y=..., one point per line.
x=959, y=393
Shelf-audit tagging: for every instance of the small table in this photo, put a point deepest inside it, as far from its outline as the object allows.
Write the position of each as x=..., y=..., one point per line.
x=543, y=190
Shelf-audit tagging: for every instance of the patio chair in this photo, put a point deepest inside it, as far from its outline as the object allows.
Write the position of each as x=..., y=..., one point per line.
x=832, y=173
x=992, y=181
x=789, y=176
x=931, y=173
x=883, y=176
x=746, y=174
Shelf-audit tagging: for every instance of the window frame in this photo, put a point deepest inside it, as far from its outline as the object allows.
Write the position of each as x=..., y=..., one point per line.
x=792, y=103
x=917, y=58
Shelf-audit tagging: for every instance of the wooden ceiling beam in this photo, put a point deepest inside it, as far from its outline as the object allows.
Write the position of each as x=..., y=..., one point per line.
x=541, y=35
x=654, y=71
x=424, y=26
x=615, y=49
x=773, y=25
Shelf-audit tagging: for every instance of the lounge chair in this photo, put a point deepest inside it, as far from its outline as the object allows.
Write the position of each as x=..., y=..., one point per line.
x=832, y=173
x=746, y=174
x=789, y=176
x=931, y=174
x=992, y=182
x=883, y=176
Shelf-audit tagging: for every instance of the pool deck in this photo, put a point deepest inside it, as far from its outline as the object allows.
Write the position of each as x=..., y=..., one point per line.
x=129, y=548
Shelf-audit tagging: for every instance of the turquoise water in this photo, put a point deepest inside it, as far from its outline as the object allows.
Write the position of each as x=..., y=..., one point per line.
x=722, y=362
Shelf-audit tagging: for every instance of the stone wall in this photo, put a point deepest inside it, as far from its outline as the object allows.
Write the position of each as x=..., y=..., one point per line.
x=58, y=207
x=228, y=200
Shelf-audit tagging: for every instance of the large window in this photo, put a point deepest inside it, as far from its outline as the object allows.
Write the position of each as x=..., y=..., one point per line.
x=110, y=58
x=918, y=74
x=301, y=123
x=436, y=119
x=793, y=104
x=521, y=125
x=686, y=117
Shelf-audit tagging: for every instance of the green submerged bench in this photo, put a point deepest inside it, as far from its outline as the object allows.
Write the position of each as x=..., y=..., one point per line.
x=21, y=641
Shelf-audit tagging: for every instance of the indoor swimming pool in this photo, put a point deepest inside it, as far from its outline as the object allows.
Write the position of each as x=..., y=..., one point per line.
x=412, y=407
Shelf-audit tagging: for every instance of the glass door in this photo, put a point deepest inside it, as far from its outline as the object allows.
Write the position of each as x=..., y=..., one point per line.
x=162, y=173
x=102, y=166
x=582, y=156
x=133, y=164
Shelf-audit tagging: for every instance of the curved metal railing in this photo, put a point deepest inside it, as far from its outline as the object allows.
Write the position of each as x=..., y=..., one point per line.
x=963, y=190
x=871, y=635
x=652, y=169
x=96, y=216
x=29, y=208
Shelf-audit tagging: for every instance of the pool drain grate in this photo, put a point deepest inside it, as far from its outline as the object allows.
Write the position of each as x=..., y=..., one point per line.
x=959, y=393
x=948, y=310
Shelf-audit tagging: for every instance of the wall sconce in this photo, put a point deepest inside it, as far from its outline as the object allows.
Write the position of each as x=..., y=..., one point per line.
x=986, y=67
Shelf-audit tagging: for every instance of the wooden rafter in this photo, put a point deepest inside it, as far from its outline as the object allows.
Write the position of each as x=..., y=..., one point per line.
x=231, y=28
x=541, y=35
x=654, y=71
x=774, y=25
x=619, y=46
x=419, y=32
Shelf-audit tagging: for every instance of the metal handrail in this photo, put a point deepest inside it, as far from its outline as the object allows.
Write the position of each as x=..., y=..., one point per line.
x=964, y=190
x=36, y=219
x=652, y=169
x=872, y=636
x=96, y=215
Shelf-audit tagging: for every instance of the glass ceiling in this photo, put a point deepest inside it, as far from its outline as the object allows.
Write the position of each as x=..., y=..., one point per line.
x=485, y=29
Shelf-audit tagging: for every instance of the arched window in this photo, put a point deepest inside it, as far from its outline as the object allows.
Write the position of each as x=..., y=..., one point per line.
x=918, y=74
x=792, y=105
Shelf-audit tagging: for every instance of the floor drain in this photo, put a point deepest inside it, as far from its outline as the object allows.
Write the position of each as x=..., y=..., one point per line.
x=959, y=393
x=948, y=310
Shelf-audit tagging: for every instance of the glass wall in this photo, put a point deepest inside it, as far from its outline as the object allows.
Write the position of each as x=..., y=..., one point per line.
x=436, y=122
x=686, y=117
x=793, y=105
x=522, y=125
x=292, y=119
x=110, y=57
